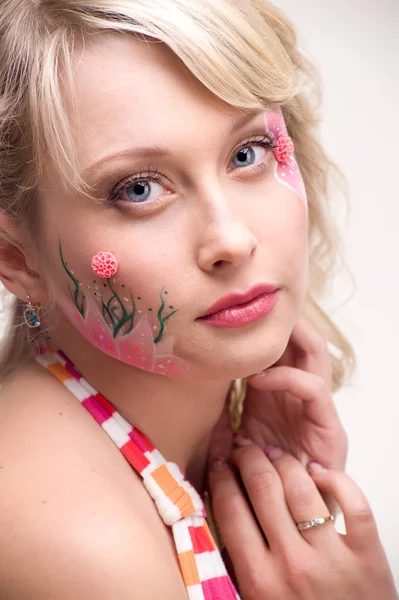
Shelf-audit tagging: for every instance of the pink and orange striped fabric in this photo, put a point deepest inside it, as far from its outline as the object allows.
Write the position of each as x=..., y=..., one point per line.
x=177, y=501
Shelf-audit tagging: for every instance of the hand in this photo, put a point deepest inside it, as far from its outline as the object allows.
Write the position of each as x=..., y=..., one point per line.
x=291, y=406
x=316, y=564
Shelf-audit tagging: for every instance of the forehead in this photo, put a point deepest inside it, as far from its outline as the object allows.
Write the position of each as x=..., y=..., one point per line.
x=129, y=93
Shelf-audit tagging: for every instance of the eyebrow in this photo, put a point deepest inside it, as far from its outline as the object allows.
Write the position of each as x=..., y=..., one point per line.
x=243, y=120
x=162, y=151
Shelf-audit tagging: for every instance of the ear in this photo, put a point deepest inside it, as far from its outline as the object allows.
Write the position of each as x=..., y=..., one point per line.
x=17, y=263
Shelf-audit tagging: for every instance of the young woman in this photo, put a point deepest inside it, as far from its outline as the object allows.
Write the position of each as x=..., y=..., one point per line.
x=164, y=234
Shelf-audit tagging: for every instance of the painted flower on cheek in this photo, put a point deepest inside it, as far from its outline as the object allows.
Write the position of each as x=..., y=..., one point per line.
x=104, y=264
x=119, y=322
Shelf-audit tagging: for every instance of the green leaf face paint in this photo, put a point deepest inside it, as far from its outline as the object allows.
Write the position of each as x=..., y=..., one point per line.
x=119, y=323
x=77, y=298
x=162, y=318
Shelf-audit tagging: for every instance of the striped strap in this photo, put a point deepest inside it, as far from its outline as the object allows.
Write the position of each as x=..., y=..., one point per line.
x=177, y=501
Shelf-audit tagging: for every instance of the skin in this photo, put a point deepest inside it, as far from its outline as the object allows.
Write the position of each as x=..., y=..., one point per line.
x=213, y=228
x=195, y=238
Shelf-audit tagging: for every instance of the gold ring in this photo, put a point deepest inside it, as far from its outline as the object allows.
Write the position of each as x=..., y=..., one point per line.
x=314, y=522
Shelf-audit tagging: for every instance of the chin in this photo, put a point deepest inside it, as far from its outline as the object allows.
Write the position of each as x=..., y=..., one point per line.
x=241, y=359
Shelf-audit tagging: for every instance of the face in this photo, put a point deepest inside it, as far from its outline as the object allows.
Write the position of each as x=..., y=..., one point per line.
x=189, y=198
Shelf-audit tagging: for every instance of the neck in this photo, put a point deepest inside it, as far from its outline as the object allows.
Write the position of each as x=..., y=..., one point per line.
x=177, y=415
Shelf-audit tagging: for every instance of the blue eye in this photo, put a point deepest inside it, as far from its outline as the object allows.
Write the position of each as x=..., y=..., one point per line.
x=139, y=191
x=248, y=156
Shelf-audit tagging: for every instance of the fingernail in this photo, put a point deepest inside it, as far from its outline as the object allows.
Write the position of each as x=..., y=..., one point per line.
x=219, y=463
x=255, y=375
x=316, y=468
x=273, y=452
x=240, y=441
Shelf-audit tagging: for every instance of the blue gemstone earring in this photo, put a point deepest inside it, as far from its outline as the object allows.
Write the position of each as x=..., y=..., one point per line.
x=31, y=315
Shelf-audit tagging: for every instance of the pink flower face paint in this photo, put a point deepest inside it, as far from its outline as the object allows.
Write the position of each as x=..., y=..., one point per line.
x=286, y=172
x=104, y=264
x=120, y=323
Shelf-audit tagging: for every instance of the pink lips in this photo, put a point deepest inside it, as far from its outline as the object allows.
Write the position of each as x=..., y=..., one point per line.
x=236, y=310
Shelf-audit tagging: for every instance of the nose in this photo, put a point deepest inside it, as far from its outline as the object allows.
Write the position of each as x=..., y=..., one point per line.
x=227, y=241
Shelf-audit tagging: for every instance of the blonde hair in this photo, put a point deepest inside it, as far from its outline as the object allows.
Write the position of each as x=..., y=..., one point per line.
x=243, y=51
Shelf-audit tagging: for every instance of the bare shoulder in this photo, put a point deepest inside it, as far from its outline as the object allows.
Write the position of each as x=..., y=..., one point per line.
x=76, y=521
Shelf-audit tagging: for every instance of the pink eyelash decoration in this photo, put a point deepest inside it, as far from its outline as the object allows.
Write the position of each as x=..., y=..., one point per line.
x=283, y=148
x=104, y=264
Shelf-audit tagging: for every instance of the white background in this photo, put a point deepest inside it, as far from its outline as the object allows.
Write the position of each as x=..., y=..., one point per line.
x=356, y=46
x=355, y=43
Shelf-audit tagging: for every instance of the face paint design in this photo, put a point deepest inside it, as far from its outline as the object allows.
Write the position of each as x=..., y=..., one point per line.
x=287, y=173
x=104, y=264
x=283, y=149
x=121, y=325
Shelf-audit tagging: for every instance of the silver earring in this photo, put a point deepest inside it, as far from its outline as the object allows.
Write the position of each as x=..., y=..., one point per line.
x=31, y=315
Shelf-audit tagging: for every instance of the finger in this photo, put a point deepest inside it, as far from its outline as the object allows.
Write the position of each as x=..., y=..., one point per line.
x=241, y=534
x=266, y=494
x=313, y=354
x=318, y=403
x=303, y=498
x=361, y=528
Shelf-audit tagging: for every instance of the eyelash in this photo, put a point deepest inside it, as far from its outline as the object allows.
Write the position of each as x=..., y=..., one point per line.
x=159, y=177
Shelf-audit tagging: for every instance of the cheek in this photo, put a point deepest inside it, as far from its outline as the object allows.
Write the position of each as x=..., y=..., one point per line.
x=282, y=232
x=283, y=218
x=295, y=251
x=126, y=315
x=293, y=240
